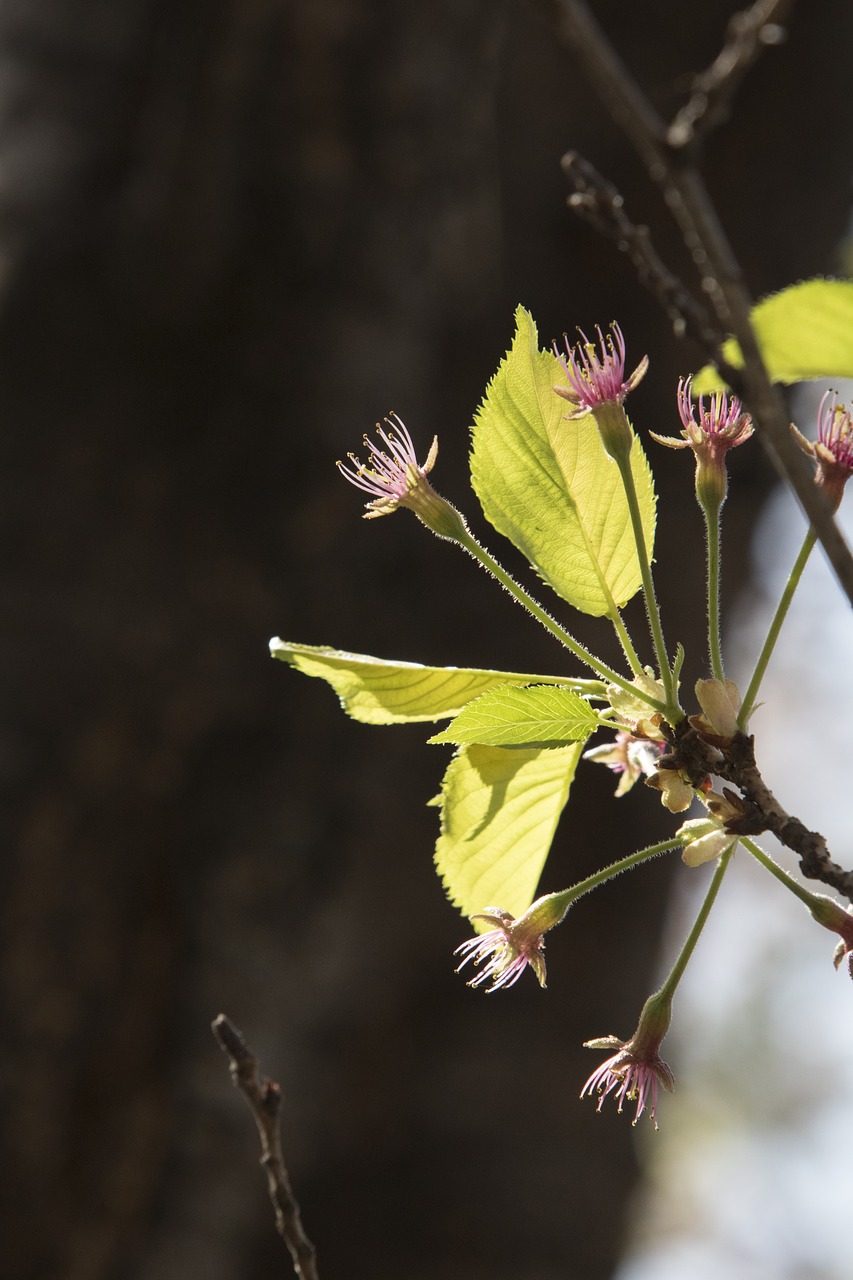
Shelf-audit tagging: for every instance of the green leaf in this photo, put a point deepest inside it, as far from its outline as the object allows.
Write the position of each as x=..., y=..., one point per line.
x=805, y=331
x=537, y=716
x=547, y=484
x=375, y=691
x=499, y=811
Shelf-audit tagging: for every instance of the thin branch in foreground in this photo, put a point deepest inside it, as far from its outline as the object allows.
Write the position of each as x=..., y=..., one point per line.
x=748, y=33
x=599, y=203
x=722, y=279
x=264, y=1099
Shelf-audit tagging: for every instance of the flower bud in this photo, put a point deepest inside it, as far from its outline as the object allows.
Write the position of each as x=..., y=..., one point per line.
x=720, y=702
x=675, y=787
x=833, y=916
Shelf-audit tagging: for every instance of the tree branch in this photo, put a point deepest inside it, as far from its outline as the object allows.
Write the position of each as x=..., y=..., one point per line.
x=264, y=1099
x=734, y=761
x=672, y=169
x=599, y=203
x=748, y=32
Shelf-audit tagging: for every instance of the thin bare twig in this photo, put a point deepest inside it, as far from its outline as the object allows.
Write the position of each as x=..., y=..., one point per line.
x=748, y=32
x=720, y=274
x=600, y=204
x=264, y=1098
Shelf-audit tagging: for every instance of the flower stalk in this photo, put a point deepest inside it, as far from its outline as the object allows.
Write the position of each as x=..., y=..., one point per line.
x=523, y=597
x=825, y=910
x=710, y=428
x=673, y=712
x=516, y=943
x=832, y=452
x=667, y=990
x=394, y=478
x=776, y=626
x=712, y=540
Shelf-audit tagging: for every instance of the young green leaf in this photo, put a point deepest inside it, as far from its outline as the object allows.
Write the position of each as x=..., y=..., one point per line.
x=376, y=691
x=805, y=331
x=499, y=811
x=547, y=484
x=514, y=717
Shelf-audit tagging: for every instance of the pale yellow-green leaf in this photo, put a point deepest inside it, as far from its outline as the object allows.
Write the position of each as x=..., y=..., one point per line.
x=376, y=691
x=547, y=484
x=499, y=811
x=513, y=717
x=804, y=331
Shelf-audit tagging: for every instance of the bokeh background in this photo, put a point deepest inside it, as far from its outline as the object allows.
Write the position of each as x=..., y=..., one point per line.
x=233, y=234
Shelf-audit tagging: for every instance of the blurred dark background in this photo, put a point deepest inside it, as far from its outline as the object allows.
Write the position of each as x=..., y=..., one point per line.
x=232, y=236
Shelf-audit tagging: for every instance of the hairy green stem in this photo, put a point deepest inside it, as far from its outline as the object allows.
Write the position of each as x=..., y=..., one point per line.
x=712, y=530
x=652, y=611
x=625, y=640
x=483, y=557
x=567, y=897
x=668, y=989
x=775, y=870
x=775, y=627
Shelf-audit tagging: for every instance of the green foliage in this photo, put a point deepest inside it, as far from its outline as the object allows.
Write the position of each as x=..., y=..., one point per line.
x=499, y=811
x=804, y=331
x=539, y=716
x=547, y=484
x=375, y=691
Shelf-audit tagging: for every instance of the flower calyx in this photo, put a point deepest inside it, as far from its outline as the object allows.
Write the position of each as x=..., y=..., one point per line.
x=395, y=478
x=829, y=913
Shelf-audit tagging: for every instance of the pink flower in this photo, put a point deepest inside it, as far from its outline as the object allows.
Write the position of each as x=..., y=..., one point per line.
x=714, y=428
x=390, y=476
x=595, y=379
x=835, y=431
x=833, y=449
x=710, y=430
x=636, y=1071
x=514, y=943
x=628, y=755
x=630, y=1076
x=395, y=478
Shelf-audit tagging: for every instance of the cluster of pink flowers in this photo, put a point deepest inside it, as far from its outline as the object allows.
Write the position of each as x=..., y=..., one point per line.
x=596, y=384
